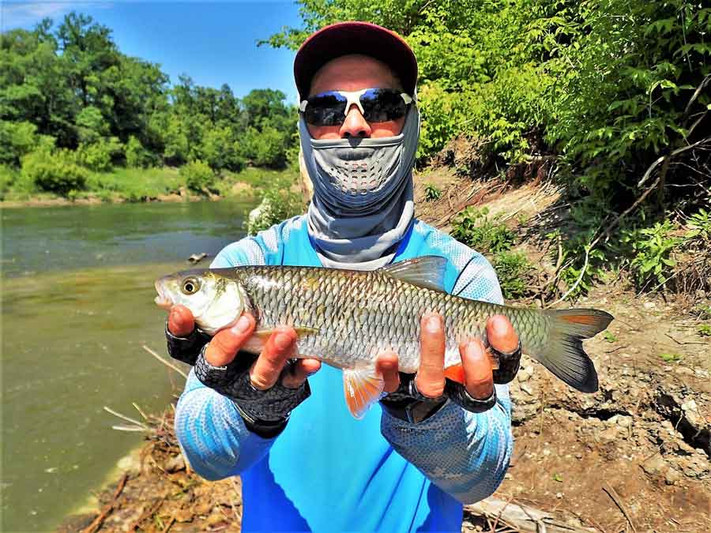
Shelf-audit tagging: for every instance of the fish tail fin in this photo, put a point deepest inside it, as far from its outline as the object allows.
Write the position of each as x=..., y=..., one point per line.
x=563, y=353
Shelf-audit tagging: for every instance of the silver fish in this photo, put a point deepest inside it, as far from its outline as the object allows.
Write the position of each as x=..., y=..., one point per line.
x=346, y=318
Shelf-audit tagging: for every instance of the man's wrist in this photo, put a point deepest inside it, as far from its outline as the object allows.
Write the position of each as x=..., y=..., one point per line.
x=267, y=429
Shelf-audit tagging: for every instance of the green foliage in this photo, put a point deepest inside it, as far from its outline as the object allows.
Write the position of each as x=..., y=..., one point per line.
x=54, y=172
x=514, y=271
x=18, y=139
x=136, y=155
x=432, y=192
x=704, y=330
x=699, y=227
x=199, y=177
x=266, y=148
x=100, y=155
x=670, y=357
x=609, y=337
x=279, y=202
x=8, y=176
x=473, y=228
x=652, y=248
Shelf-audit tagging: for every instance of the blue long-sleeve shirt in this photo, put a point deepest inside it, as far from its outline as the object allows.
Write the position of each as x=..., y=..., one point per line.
x=330, y=472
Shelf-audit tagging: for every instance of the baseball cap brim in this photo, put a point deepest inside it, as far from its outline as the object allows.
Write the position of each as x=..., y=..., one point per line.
x=346, y=38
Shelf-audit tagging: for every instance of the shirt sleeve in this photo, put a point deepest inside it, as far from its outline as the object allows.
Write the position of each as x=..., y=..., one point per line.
x=465, y=454
x=210, y=430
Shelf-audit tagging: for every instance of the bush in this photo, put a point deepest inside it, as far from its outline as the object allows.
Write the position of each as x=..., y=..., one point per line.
x=473, y=228
x=99, y=155
x=652, y=248
x=18, y=139
x=199, y=177
x=266, y=148
x=278, y=204
x=7, y=179
x=136, y=155
x=53, y=171
x=514, y=271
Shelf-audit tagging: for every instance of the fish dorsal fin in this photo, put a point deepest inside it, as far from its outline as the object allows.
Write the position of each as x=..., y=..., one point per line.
x=426, y=271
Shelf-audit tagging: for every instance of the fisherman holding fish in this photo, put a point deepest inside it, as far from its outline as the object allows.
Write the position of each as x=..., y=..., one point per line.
x=396, y=325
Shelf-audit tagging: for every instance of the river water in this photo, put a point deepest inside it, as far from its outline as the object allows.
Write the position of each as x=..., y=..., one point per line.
x=77, y=305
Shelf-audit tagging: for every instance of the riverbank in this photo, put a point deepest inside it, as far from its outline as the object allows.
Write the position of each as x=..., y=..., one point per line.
x=163, y=184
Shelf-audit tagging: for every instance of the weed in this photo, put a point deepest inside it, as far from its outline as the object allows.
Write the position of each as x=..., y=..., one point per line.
x=432, y=192
x=704, y=330
x=652, y=248
x=670, y=357
x=557, y=477
x=609, y=337
x=475, y=229
x=513, y=270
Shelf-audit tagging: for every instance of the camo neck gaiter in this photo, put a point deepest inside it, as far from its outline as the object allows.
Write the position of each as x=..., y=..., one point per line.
x=362, y=205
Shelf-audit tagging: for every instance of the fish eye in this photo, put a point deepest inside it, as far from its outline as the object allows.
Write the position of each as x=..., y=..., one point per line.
x=190, y=286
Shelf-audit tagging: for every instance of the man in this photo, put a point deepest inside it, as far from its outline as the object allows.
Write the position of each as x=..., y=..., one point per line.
x=306, y=463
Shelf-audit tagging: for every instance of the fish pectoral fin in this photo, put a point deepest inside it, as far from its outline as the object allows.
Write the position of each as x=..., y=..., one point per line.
x=362, y=388
x=301, y=331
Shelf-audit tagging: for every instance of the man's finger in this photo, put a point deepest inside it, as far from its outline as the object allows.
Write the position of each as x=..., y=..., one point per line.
x=430, y=376
x=180, y=321
x=226, y=343
x=500, y=334
x=478, y=376
x=386, y=365
x=300, y=371
x=270, y=363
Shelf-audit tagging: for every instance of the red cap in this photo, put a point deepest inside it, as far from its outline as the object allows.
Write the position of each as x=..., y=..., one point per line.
x=346, y=38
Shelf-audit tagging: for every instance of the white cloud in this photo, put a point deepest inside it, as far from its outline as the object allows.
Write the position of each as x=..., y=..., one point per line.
x=27, y=14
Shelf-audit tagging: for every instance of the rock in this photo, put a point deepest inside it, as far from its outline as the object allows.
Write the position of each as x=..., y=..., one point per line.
x=175, y=464
x=525, y=374
x=621, y=420
x=655, y=466
x=672, y=477
x=649, y=305
x=525, y=387
x=610, y=434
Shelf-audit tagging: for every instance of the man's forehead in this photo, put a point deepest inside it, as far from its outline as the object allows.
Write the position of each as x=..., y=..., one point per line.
x=353, y=72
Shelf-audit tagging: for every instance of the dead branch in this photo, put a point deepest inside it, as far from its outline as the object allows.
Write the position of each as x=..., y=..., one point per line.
x=523, y=517
x=106, y=511
x=618, y=502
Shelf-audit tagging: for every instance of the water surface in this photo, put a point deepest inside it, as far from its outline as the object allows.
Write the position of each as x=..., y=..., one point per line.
x=77, y=305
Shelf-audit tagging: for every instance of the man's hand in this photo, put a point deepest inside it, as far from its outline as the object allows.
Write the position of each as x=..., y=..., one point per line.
x=225, y=345
x=478, y=373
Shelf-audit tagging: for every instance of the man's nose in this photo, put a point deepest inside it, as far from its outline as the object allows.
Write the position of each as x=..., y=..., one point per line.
x=355, y=124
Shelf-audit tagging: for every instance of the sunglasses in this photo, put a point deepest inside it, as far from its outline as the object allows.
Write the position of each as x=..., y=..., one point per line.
x=376, y=105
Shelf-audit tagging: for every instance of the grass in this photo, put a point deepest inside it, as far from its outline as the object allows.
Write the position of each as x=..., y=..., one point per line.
x=143, y=184
x=670, y=357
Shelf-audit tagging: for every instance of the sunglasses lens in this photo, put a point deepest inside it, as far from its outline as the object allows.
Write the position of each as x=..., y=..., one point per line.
x=326, y=109
x=379, y=105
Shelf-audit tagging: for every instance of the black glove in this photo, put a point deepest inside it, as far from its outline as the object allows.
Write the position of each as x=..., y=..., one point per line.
x=265, y=412
x=408, y=403
x=186, y=349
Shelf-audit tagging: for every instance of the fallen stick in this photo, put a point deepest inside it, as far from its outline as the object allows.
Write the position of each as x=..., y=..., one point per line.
x=618, y=502
x=165, y=362
x=106, y=511
x=522, y=517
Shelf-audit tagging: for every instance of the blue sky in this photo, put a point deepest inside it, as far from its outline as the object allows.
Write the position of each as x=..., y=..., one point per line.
x=213, y=42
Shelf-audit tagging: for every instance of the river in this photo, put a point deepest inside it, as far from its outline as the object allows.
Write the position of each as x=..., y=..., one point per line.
x=77, y=305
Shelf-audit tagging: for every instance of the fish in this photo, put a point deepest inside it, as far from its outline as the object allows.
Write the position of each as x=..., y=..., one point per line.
x=346, y=318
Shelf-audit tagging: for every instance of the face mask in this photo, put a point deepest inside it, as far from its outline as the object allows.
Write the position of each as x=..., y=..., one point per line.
x=363, y=201
x=356, y=175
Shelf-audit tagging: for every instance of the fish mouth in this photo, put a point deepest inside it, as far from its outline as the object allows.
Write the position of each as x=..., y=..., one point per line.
x=162, y=300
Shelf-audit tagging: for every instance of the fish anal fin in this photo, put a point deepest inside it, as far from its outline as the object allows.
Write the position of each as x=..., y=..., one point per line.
x=426, y=271
x=455, y=373
x=362, y=388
